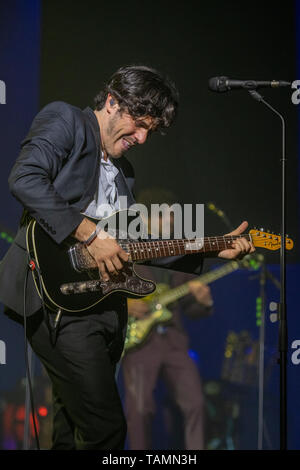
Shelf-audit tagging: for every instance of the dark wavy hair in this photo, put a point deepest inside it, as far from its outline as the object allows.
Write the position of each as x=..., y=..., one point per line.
x=142, y=91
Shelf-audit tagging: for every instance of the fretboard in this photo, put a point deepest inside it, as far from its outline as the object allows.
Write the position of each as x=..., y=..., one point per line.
x=145, y=250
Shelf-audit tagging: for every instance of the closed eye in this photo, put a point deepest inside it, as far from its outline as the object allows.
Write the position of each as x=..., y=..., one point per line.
x=149, y=127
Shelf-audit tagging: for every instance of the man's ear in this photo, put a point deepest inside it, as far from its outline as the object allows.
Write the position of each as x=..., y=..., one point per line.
x=111, y=102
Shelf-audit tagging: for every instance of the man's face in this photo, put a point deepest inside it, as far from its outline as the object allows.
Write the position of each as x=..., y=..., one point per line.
x=122, y=131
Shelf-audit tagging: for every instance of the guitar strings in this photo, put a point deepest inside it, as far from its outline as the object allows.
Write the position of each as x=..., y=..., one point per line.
x=204, y=240
x=147, y=249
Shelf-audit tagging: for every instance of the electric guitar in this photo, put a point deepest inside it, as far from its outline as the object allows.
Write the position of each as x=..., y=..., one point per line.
x=139, y=329
x=66, y=276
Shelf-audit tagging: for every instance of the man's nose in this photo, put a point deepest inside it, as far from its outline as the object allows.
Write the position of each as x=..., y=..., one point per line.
x=141, y=135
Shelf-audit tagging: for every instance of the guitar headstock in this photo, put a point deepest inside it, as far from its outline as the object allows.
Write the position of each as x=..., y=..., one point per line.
x=268, y=240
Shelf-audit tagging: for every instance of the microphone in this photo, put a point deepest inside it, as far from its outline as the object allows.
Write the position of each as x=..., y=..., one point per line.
x=222, y=84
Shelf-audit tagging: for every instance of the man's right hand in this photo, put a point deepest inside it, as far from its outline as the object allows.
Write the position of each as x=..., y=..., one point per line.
x=108, y=255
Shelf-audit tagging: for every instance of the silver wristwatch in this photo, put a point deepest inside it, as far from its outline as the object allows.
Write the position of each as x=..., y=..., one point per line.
x=90, y=239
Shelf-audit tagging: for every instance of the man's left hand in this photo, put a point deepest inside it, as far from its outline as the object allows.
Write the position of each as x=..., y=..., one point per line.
x=241, y=246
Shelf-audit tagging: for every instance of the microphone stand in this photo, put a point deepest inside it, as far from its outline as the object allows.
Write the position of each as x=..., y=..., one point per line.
x=283, y=335
x=264, y=274
x=26, y=435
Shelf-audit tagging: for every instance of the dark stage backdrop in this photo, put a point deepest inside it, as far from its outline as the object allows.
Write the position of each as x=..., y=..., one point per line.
x=223, y=148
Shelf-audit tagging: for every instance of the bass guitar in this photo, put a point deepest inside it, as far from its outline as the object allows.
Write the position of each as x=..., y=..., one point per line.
x=138, y=330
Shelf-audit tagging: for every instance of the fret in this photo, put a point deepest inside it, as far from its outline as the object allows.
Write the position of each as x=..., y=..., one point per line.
x=213, y=244
x=193, y=245
x=209, y=243
x=152, y=248
x=167, y=246
x=164, y=250
x=157, y=249
x=229, y=241
x=133, y=250
x=148, y=250
x=142, y=250
x=171, y=248
x=136, y=251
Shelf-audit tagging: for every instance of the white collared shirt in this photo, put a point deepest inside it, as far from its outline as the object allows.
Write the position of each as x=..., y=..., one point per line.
x=105, y=201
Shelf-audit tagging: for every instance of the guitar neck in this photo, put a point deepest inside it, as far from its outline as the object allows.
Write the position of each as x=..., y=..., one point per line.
x=178, y=292
x=146, y=250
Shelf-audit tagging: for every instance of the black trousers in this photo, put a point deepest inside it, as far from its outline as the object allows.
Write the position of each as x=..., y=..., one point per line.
x=87, y=410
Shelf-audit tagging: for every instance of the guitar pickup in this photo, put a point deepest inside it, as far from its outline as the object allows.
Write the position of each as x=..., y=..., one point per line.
x=80, y=287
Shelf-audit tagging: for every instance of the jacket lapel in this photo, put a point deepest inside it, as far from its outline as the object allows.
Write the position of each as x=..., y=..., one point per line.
x=94, y=182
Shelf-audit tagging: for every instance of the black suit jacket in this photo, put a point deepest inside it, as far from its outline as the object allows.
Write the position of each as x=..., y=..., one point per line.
x=55, y=178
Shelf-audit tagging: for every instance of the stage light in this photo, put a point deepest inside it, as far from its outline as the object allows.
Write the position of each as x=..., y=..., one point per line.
x=43, y=411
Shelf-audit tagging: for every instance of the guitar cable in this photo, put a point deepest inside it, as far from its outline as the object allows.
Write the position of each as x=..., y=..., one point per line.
x=52, y=328
x=27, y=361
x=32, y=265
